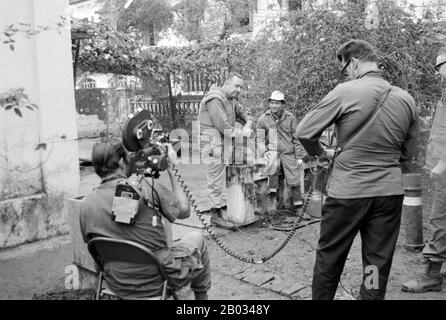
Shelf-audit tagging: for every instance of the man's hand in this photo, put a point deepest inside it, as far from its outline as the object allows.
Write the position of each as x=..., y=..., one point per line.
x=236, y=132
x=172, y=159
x=327, y=155
x=247, y=132
x=300, y=162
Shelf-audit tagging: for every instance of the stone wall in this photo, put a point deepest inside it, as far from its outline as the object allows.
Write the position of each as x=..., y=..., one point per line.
x=31, y=218
x=90, y=126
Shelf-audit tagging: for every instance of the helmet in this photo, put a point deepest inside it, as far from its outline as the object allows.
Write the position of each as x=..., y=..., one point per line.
x=440, y=60
x=277, y=95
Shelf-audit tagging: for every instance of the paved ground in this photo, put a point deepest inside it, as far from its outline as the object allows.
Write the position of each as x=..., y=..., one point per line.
x=37, y=270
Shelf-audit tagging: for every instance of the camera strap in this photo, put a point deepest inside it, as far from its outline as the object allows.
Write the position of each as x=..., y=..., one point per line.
x=124, y=180
x=126, y=202
x=358, y=130
x=129, y=193
x=113, y=177
x=144, y=194
x=362, y=126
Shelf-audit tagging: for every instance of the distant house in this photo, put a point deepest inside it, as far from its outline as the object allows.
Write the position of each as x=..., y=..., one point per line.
x=85, y=9
x=107, y=80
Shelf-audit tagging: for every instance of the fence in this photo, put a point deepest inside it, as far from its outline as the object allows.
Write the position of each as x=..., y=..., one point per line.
x=186, y=110
x=195, y=82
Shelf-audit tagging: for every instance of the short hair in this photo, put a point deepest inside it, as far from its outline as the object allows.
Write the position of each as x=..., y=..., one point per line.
x=233, y=75
x=105, y=157
x=359, y=49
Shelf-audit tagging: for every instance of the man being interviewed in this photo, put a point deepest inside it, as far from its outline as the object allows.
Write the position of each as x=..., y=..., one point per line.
x=376, y=127
x=279, y=126
x=219, y=112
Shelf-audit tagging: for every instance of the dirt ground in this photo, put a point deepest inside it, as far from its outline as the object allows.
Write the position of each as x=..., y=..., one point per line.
x=36, y=271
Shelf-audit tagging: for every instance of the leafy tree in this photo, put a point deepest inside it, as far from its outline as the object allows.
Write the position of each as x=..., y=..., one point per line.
x=302, y=63
x=110, y=51
x=240, y=15
x=189, y=14
x=147, y=16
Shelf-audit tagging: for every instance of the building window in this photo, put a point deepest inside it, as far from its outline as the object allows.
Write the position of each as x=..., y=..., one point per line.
x=112, y=83
x=88, y=84
x=122, y=82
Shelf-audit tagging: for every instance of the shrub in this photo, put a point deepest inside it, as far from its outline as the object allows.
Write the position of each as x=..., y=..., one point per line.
x=302, y=62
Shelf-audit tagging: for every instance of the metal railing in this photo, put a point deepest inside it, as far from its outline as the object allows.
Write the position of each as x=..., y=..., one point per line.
x=183, y=106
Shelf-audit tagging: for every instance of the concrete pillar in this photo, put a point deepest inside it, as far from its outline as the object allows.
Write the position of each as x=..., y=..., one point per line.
x=41, y=64
x=412, y=215
x=241, y=194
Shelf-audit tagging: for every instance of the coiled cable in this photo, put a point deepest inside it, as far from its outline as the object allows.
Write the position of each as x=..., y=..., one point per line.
x=223, y=246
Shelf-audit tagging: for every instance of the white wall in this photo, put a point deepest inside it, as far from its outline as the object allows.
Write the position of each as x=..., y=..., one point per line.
x=86, y=10
x=41, y=65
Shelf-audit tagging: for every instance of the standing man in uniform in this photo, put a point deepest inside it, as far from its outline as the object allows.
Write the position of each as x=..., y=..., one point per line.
x=279, y=126
x=435, y=250
x=219, y=112
x=365, y=192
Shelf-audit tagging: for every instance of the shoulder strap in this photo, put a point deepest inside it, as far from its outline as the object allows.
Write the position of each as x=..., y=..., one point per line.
x=366, y=121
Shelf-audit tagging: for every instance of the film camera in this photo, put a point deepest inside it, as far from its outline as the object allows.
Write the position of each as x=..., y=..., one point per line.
x=143, y=143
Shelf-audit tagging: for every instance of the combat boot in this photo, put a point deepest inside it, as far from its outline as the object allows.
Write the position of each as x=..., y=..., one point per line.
x=201, y=295
x=298, y=202
x=431, y=280
x=218, y=221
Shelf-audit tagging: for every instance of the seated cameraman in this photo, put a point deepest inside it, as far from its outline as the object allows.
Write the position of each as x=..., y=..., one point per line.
x=186, y=261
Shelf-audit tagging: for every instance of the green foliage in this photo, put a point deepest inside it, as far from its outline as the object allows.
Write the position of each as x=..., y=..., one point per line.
x=10, y=32
x=239, y=14
x=190, y=12
x=144, y=14
x=91, y=101
x=300, y=60
x=303, y=62
x=110, y=51
x=226, y=17
x=16, y=100
x=186, y=17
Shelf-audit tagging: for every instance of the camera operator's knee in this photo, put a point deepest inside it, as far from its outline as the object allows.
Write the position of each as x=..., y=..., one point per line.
x=195, y=239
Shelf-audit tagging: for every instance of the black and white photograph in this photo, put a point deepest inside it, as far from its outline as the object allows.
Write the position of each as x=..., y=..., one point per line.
x=254, y=152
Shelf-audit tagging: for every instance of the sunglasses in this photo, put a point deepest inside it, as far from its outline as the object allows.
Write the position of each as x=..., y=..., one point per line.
x=437, y=67
x=344, y=71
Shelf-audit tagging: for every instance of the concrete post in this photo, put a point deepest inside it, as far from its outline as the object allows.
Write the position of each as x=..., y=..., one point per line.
x=412, y=214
